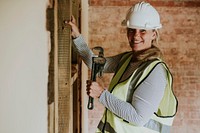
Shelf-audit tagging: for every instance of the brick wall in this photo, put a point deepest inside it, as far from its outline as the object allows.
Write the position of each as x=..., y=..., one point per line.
x=179, y=41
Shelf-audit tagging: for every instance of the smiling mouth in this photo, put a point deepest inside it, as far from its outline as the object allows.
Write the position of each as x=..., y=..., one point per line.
x=137, y=42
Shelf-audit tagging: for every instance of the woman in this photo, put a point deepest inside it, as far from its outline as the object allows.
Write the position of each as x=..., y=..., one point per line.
x=140, y=97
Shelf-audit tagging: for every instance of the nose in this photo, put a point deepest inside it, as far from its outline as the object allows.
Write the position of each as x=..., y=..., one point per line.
x=137, y=33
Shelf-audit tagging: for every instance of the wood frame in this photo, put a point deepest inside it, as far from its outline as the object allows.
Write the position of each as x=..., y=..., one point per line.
x=64, y=87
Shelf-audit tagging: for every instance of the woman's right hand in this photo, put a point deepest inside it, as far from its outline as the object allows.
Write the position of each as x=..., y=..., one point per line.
x=75, y=31
x=94, y=89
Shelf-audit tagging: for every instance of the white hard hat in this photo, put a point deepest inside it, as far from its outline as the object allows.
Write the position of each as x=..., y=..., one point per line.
x=142, y=16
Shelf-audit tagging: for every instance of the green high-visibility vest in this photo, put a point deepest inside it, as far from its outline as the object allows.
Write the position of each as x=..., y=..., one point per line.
x=160, y=122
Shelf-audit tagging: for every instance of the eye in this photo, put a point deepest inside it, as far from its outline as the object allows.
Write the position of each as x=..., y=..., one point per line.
x=143, y=31
x=131, y=30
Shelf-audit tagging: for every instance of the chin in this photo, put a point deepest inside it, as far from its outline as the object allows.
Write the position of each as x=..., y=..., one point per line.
x=136, y=48
x=139, y=48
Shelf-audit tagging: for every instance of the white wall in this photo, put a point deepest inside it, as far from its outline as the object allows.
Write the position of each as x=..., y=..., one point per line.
x=23, y=66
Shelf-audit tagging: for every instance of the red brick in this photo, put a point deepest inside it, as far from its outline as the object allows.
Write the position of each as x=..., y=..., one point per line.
x=158, y=3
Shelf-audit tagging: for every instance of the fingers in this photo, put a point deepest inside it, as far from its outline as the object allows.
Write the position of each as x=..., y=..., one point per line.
x=93, y=89
x=88, y=81
x=75, y=31
x=73, y=20
x=69, y=22
x=88, y=89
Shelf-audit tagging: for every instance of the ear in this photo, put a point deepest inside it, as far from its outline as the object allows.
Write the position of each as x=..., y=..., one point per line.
x=154, y=34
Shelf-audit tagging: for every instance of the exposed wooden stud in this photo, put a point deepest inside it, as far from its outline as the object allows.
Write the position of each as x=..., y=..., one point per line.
x=63, y=90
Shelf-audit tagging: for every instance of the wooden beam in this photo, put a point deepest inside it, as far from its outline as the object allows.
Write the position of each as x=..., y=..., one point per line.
x=63, y=90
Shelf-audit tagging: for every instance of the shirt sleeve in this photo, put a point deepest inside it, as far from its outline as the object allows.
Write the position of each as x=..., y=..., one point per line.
x=145, y=100
x=83, y=50
x=86, y=54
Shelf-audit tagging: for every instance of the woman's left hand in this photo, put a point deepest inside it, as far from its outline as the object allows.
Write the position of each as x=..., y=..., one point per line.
x=94, y=89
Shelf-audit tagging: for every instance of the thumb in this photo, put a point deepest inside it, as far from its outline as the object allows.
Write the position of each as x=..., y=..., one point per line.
x=68, y=22
x=73, y=20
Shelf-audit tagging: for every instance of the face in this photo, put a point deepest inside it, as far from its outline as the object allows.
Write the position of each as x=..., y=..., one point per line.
x=140, y=39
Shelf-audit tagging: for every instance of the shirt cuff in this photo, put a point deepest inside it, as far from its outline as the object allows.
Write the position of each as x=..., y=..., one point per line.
x=102, y=96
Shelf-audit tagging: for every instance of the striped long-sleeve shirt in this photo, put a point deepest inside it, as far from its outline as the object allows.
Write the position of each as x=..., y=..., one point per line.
x=145, y=99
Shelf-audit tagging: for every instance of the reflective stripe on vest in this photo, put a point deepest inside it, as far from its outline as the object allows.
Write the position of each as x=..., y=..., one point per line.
x=160, y=122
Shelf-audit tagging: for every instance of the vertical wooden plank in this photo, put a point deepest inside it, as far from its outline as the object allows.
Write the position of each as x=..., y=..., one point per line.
x=63, y=90
x=56, y=65
x=84, y=70
x=51, y=118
